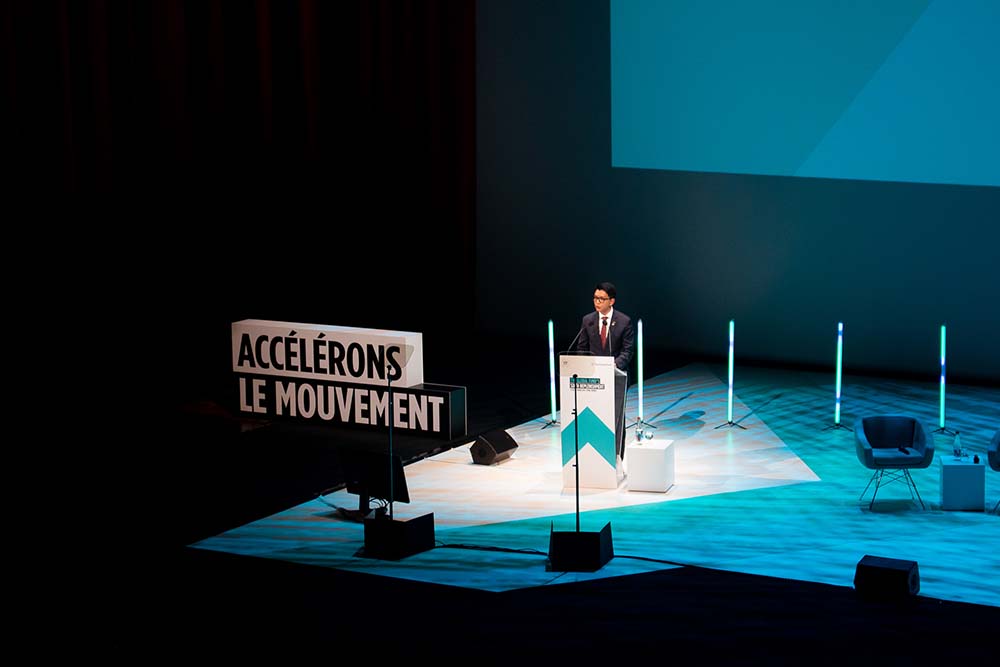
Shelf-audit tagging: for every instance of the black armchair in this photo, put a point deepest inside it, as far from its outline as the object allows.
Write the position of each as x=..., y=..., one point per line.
x=891, y=446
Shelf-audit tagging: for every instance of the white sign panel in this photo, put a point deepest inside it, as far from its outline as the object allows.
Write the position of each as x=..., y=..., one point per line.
x=329, y=353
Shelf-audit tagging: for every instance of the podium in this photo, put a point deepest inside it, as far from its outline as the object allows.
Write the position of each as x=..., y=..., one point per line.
x=600, y=398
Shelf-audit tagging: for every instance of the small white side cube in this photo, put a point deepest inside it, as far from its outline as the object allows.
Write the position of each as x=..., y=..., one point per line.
x=650, y=465
x=963, y=483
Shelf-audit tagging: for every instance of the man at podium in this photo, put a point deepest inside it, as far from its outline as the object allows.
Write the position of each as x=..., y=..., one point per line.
x=606, y=338
x=607, y=332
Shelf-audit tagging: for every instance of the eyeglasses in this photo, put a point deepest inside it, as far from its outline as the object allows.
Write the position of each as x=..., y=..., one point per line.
x=601, y=299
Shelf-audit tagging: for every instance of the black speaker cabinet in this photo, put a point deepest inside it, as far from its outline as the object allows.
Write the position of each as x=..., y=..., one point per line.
x=584, y=551
x=492, y=447
x=886, y=578
x=395, y=539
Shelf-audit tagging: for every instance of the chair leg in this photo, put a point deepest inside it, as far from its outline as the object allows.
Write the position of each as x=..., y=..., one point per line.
x=914, y=486
x=995, y=507
x=878, y=482
x=870, y=480
x=896, y=474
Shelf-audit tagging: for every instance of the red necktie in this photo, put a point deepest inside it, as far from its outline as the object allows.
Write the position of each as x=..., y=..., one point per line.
x=604, y=333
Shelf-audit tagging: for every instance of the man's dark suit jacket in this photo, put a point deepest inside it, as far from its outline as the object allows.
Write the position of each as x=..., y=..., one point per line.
x=621, y=339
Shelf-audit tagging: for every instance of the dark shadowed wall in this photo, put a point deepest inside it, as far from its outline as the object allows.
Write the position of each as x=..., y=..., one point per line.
x=213, y=161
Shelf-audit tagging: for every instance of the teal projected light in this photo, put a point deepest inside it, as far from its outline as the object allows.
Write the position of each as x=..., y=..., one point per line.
x=552, y=377
x=942, y=428
x=884, y=91
x=840, y=365
x=729, y=408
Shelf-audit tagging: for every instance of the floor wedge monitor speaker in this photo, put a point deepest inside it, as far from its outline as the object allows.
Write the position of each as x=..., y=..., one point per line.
x=886, y=578
x=493, y=447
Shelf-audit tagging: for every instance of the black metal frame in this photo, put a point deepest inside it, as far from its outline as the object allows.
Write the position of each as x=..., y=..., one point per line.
x=895, y=475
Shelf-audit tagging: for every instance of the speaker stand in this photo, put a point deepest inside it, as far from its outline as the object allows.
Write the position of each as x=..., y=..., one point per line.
x=385, y=537
x=731, y=425
x=392, y=476
x=579, y=551
x=550, y=422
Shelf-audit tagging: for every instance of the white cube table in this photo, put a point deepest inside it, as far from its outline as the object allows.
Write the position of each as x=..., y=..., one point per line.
x=650, y=465
x=963, y=483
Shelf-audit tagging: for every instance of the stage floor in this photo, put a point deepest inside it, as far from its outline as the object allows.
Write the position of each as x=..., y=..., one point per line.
x=778, y=499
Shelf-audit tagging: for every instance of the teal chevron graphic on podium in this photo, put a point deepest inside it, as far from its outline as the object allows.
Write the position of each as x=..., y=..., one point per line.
x=593, y=432
x=894, y=90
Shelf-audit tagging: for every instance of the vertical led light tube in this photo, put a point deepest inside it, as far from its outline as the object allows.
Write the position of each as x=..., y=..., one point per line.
x=942, y=375
x=729, y=411
x=552, y=371
x=840, y=360
x=640, y=369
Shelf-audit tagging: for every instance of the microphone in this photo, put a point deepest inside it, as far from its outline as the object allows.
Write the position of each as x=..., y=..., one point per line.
x=572, y=345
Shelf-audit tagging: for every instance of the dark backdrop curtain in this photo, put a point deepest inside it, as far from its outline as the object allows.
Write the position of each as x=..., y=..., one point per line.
x=328, y=143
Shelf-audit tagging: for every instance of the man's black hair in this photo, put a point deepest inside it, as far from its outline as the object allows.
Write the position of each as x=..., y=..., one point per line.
x=609, y=288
